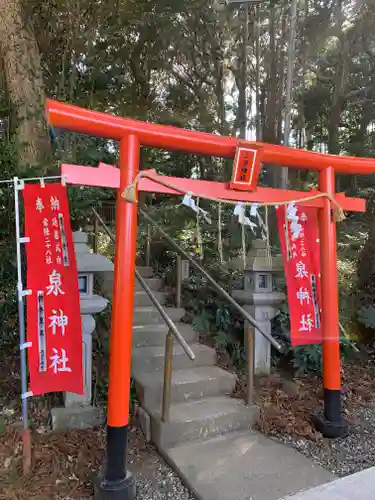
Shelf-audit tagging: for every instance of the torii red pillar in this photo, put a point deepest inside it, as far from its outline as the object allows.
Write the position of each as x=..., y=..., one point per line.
x=116, y=482
x=330, y=423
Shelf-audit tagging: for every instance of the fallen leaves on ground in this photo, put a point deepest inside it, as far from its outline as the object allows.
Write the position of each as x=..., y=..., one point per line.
x=287, y=404
x=62, y=464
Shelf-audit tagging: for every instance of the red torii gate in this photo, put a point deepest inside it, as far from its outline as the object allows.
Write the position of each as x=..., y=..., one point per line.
x=132, y=134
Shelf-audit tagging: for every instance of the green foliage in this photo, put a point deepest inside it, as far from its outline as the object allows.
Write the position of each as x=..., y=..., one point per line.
x=217, y=323
x=346, y=264
x=229, y=335
x=81, y=200
x=234, y=348
x=305, y=358
x=366, y=316
x=308, y=358
x=281, y=323
x=8, y=263
x=101, y=352
x=203, y=319
x=179, y=64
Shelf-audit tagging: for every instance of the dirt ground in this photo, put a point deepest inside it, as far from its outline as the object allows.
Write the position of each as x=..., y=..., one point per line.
x=63, y=464
x=287, y=405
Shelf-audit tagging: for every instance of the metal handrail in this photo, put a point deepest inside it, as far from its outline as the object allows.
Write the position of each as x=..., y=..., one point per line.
x=172, y=333
x=215, y=285
x=154, y=300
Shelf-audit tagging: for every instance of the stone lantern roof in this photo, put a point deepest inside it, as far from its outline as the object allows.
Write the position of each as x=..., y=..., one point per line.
x=257, y=259
x=87, y=261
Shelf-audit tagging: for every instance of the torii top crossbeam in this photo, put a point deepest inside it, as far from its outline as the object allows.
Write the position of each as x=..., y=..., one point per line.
x=133, y=134
x=175, y=139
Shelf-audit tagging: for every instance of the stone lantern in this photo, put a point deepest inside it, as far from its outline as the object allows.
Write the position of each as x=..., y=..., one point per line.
x=78, y=411
x=260, y=299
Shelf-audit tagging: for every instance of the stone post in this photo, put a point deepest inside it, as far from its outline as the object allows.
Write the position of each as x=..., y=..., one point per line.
x=260, y=299
x=78, y=411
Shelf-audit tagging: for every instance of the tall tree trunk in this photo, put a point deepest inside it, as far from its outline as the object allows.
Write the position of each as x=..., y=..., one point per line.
x=333, y=127
x=257, y=75
x=365, y=289
x=338, y=101
x=280, y=80
x=358, y=144
x=270, y=129
x=220, y=97
x=341, y=77
x=289, y=83
x=24, y=81
x=242, y=101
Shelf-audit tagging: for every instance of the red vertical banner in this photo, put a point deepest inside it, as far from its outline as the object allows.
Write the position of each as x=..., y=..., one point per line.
x=300, y=245
x=54, y=325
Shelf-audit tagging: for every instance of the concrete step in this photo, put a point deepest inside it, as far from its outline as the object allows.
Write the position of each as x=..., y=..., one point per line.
x=201, y=419
x=151, y=359
x=141, y=298
x=145, y=271
x=357, y=486
x=188, y=384
x=149, y=315
x=106, y=279
x=153, y=283
x=153, y=335
x=247, y=465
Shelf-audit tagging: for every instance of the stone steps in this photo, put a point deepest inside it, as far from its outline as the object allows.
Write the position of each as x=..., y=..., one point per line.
x=141, y=298
x=208, y=438
x=156, y=284
x=151, y=358
x=201, y=419
x=145, y=271
x=187, y=384
x=154, y=335
x=106, y=281
x=149, y=315
x=201, y=406
x=201, y=409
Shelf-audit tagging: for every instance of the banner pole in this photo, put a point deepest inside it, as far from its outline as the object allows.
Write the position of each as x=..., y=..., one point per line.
x=26, y=438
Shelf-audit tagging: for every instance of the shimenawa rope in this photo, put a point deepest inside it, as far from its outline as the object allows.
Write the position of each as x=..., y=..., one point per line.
x=130, y=191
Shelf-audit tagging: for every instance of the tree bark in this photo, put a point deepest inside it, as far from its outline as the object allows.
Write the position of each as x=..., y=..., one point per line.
x=270, y=124
x=257, y=75
x=242, y=74
x=280, y=80
x=24, y=80
x=342, y=73
x=289, y=84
